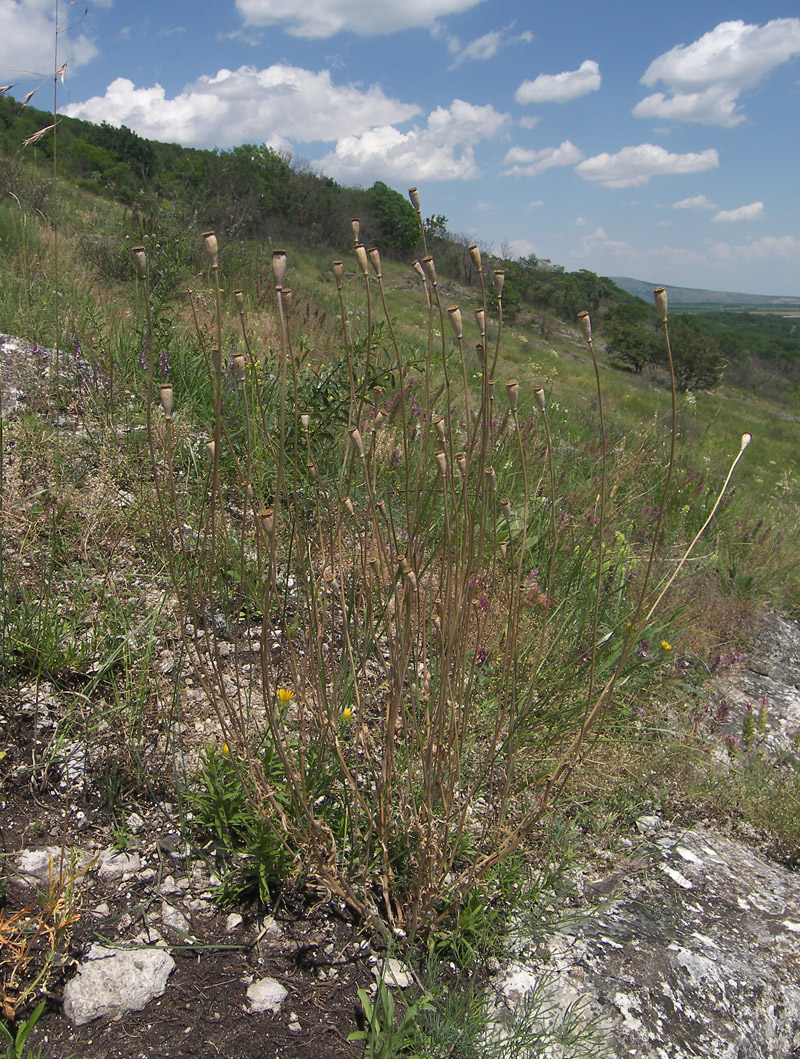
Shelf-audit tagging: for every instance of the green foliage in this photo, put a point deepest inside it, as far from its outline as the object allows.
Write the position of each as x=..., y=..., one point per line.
x=630, y=334
x=399, y=226
x=16, y=1042
x=391, y=1035
x=696, y=355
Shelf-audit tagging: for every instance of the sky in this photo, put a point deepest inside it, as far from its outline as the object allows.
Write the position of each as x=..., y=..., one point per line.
x=660, y=142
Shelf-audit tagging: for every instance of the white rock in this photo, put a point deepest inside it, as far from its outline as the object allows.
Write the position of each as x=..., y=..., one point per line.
x=394, y=974
x=174, y=920
x=112, y=981
x=648, y=825
x=114, y=863
x=266, y=994
x=233, y=921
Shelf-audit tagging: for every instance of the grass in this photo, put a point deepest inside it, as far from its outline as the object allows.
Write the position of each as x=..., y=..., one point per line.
x=445, y=653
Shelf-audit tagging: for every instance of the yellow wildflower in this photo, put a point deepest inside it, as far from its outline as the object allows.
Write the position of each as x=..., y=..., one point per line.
x=285, y=694
x=666, y=646
x=226, y=750
x=347, y=713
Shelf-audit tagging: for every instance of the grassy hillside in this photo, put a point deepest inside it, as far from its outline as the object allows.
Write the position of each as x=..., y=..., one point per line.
x=385, y=581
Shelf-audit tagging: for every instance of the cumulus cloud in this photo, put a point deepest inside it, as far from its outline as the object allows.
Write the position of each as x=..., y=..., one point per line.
x=276, y=105
x=560, y=88
x=753, y=212
x=634, y=166
x=324, y=18
x=706, y=78
x=696, y=202
x=599, y=240
x=770, y=247
x=27, y=31
x=441, y=150
x=528, y=163
x=485, y=47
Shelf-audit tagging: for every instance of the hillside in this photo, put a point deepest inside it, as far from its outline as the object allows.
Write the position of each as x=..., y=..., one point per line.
x=687, y=297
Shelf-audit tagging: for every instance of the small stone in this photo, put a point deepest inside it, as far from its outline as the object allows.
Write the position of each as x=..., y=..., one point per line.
x=175, y=921
x=394, y=974
x=134, y=823
x=112, y=981
x=266, y=994
x=233, y=921
x=648, y=825
x=294, y=1023
x=114, y=863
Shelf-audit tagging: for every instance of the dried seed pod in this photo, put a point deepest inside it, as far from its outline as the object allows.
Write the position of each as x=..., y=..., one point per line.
x=285, y=297
x=355, y=224
x=430, y=269
x=361, y=258
x=407, y=572
x=512, y=392
x=238, y=297
x=166, y=396
x=212, y=248
x=539, y=398
x=454, y=313
x=480, y=353
x=419, y=269
x=313, y=474
x=441, y=462
x=660, y=296
x=499, y=281
x=490, y=386
x=461, y=463
x=475, y=255
x=140, y=260
x=305, y=420
x=505, y=507
x=746, y=439
x=239, y=368
x=383, y=511
x=480, y=316
x=267, y=517
x=347, y=503
x=211, y=445
x=279, y=267
x=491, y=478
x=375, y=260
x=357, y=441
x=379, y=419
x=413, y=194
x=503, y=549
x=586, y=324
x=439, y=427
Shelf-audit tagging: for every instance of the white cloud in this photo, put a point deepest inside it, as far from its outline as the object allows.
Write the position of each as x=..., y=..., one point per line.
x=599, y=240
x=534, y=205
x=27, y=34
x=324, y=18
x=696, y=202
x=528, y=163
x=442, y=150
x=634, y=166
x=487, y=46
x=276, y=105
x=753, y=212
x=530, y=121
x=519, y=249
x=560, y=88
x=707, y=77
x=770, y=247
x=581, y=222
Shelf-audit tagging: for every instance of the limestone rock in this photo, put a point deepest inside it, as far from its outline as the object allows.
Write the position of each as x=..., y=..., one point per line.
x=267, y=994
x=112, y=981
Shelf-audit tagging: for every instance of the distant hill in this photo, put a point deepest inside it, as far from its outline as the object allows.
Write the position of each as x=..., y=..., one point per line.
x=690, y=297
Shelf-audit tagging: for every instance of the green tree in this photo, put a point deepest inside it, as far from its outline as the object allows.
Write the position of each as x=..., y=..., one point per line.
x=630, y=336
x=696, y=355
x=396, y=218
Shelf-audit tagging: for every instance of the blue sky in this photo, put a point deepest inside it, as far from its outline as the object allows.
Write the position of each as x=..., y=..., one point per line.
x=655, y=141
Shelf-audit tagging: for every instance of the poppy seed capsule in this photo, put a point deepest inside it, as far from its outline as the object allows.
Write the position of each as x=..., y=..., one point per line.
x=660, y=296
x=356, y=439
x=512, y=392
x=430, y=269
x=348, y=506
x=212, y=248
x=361, y=258
x=491, y=478
x=454, y=313
x=312, y=473
x=279, y=267
x=480, y=316
x=413, y=194
x=211, y=445
x=461, y=463
x=285, y=296
x=375, y=260
x=499, y=281
x=505, y=507
x=441, y=462
x=475, y=256
x=305, y=420
x=338, y=272
x=355, y=224
x=439, y=427
x=166, y=395
x=140, y=260
x=267, y=516
x=238, y=297
x=746, y=439
x=418, y=269
x=239, y=367
x=586, y=324
x=539, y=398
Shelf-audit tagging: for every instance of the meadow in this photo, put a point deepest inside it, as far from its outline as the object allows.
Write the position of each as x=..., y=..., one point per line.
x=406, y=606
